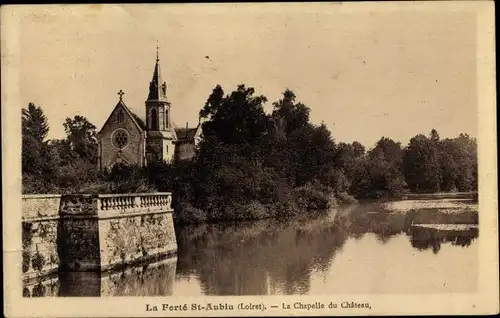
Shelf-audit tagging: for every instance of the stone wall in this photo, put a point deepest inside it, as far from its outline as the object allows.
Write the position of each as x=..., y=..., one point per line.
x=94, y=232
x=184, y=150
x=47, y=287
x=40, y=221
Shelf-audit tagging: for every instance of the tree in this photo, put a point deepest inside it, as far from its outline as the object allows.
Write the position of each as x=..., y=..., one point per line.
x=35, y=128
x=34, y=123
x=294, y=115
x=82, y=138
x=466, y=157
x=238, y=118
x=421, y=164
x=385, y=169
x=449, y=165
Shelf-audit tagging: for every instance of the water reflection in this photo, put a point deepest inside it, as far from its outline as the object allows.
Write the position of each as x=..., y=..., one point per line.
x=155, y=279
x=427, y=238
x=321, y=253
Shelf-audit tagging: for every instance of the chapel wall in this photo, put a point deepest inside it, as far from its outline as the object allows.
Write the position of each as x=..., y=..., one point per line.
x=132, y=153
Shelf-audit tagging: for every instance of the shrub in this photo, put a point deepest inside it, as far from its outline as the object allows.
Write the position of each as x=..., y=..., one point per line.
x=187, y=213
x=314, y=196
x=255, y=210
x=346, y=198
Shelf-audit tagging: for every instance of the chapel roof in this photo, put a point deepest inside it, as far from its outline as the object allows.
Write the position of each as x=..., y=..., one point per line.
x=185, y=133
x=135, y=119
x=139, y=121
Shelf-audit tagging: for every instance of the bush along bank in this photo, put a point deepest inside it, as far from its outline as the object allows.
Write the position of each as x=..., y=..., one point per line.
x=307, y=199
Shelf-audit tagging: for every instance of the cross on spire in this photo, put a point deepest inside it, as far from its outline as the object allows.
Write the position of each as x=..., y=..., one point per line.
x=121, y=93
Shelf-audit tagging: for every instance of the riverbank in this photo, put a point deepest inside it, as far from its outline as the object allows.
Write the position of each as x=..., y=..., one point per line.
x=473, y=195
x=307, y=199
x=301, y=201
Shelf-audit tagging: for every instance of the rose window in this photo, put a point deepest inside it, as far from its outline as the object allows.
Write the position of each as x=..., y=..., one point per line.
x=120, y=139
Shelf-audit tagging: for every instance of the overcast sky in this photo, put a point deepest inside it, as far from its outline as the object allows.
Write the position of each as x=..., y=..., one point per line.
x=365, y=73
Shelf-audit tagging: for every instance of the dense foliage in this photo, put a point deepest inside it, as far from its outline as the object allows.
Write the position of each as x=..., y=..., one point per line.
x=252, y=164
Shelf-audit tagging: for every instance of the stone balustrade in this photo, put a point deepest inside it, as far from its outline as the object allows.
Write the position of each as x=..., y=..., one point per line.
x=133, y=202
x=113, y=205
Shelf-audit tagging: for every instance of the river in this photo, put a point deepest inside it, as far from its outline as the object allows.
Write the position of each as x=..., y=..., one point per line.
x=412, y=246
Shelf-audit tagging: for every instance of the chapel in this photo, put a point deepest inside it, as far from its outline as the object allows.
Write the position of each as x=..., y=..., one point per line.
x=125, y=138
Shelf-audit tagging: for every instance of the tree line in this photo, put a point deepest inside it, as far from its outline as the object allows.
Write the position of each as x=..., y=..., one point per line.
x=248, y=160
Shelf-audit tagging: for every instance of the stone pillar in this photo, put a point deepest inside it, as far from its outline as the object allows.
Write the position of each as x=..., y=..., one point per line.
x=111, y=231
x=79, y=234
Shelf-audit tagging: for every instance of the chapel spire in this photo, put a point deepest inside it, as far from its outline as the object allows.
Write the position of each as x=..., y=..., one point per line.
x=157, y=87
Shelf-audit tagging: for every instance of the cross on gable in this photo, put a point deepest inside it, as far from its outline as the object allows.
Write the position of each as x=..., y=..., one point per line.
x=121, y=93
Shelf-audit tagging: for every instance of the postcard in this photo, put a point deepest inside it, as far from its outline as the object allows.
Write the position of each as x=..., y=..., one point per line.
x=249, y=159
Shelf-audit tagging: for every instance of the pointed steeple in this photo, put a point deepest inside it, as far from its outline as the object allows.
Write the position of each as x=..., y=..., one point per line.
x=157, y=87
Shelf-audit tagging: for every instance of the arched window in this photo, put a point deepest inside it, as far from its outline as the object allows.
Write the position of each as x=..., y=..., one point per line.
x=154, y=119
x=120, y=117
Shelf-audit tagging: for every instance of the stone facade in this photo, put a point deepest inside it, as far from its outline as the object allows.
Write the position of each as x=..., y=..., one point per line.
x=122, y=139
x=187, y=140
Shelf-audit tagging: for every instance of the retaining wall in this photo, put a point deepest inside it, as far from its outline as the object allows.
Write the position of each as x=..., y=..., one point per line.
x=95, y=232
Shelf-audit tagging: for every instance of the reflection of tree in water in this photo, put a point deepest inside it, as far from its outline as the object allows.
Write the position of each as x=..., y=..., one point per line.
x=252, y=259
x=423, y=238
x=371, y=218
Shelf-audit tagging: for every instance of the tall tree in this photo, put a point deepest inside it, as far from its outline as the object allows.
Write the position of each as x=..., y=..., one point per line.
x=34, y=123
x=385, y=169
x=467, y=163
x=35, y=128
x=435, y=166
x=82, y=137
x=421, y=165
x=294, y=115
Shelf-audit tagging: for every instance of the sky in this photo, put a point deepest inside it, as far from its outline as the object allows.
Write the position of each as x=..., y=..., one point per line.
x=365, y=72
